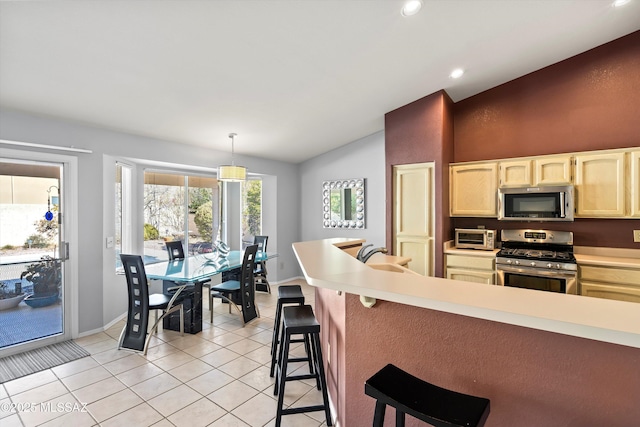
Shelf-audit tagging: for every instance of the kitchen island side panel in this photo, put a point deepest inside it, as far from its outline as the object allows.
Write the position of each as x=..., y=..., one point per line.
x=533, y=378
x=330, y=312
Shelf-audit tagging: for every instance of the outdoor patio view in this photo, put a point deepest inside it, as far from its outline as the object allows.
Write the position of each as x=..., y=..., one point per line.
x=31, y=284
x=194, y=219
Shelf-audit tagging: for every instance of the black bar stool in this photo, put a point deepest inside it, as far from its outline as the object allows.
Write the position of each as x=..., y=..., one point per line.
x=435, y=405
x=300, y=320
x=287, y=294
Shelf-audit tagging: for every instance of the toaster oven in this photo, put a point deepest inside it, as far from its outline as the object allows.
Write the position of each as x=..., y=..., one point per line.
x=475, y=238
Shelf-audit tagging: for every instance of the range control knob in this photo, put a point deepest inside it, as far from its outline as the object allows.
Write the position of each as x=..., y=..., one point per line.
x=549, y=265
x=509, y=261
x=558, y=266
x=517, y=262
x=532, y=264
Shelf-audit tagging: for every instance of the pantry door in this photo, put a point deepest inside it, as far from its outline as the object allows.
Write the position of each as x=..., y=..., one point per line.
x=413, y=214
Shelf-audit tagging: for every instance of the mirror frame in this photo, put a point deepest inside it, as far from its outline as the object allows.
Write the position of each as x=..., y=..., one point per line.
x=358, y=184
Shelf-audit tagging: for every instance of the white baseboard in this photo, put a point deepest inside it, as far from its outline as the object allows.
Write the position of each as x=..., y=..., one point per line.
x=104, y=328
x=124, y=315
x=279, y=282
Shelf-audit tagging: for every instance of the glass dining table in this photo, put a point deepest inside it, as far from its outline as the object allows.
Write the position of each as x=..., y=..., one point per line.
x=198, y=268
x=195, y=270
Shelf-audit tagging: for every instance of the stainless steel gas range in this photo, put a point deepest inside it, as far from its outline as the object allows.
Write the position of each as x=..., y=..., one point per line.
x=538, y=259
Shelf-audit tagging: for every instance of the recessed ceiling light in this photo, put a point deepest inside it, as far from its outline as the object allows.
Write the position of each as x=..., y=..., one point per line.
x=457, y=73
x=411, y=7
x=618, y=3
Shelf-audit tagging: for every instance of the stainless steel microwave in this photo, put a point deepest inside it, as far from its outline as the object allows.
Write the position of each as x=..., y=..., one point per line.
x=552, y=203
x=475, y=238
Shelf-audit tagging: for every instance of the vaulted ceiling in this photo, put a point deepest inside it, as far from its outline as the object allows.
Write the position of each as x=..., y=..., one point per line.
x=294, y=78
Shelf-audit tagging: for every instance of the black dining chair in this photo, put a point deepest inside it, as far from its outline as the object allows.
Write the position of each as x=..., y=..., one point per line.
x=260, y=272
x=134, y=335
x=242, y=290
x=175, y=250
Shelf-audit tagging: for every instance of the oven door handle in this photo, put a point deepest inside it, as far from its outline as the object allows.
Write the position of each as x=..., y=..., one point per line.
x=536, y=272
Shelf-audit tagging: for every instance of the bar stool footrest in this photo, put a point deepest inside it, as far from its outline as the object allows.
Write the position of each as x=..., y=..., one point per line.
x=298, y=359
x=302, y=409
x=300, y=377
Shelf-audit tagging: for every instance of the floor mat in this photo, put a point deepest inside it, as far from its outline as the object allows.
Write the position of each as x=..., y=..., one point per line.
x=39, y=359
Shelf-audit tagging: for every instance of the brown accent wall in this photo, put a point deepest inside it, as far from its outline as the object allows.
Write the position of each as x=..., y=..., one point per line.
x=606, y=233
x=588, y=102
x=533, y=378
x=416, y=133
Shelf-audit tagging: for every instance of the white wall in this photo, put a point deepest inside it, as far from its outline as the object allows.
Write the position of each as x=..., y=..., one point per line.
x=292, y=202
x=363, y=158
x=102, y=294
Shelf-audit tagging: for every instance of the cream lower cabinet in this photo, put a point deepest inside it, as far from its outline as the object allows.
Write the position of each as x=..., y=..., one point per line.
x=477, y=269
x=600, y=185
x=474, y=189
x=615, y=283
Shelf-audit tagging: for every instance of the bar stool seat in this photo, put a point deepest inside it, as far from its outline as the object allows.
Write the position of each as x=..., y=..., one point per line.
x=300, y=320
x=287, y=294
x=427, y=402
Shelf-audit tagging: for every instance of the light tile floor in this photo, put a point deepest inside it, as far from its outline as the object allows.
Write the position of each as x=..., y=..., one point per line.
x=218, y=377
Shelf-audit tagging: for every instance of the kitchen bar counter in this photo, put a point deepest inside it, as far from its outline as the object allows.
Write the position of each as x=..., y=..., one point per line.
x=326, y=266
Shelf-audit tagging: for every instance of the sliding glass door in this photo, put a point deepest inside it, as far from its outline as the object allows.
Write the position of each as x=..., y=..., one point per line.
x=32, y=253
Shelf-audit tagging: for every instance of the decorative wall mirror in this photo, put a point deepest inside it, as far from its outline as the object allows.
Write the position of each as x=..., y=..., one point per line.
x=343, y=203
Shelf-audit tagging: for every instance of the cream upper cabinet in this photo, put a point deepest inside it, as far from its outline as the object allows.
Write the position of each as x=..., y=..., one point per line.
x=539, y=171
x=413, y=213
x=606, y=182
x=552, y=170
x=634, y=194
x=473, y=189
x=516, y=173
x=600, y=185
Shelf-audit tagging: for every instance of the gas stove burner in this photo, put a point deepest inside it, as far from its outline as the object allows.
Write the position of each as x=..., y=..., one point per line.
x=536, y=254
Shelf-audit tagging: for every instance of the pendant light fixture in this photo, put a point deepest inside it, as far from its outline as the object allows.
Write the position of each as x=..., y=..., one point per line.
x=232, y=173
